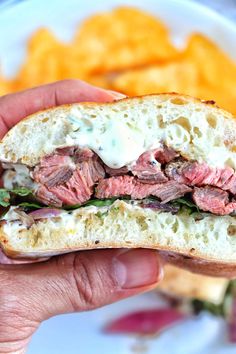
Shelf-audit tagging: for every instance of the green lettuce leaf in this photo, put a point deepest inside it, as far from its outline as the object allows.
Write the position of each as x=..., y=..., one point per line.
x=5, y=195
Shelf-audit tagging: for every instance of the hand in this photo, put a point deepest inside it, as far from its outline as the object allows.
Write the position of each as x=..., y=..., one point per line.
x=31, y=293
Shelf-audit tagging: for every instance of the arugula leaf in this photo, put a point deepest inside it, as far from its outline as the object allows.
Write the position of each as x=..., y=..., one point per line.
x=4, y=197
x=95, y=202
x=224, y=309
x=100, y=203
x=215, y=309
x=5, y=194
x=32, y=205
x=23, y=192
x=186, y=202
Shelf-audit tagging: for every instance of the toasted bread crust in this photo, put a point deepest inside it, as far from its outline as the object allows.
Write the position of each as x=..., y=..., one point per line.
x=192, y=263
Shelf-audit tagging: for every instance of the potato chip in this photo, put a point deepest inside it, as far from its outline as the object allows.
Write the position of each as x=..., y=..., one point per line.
x=130, y=51
x=101, y=80
x=74, y=64
x=215, y=67
x=43, y=60
x=181, y=76
x=217, y=72
x=123, y=38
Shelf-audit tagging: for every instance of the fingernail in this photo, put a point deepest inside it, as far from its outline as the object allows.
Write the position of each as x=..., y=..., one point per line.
x=137, y=268
x=117, y=95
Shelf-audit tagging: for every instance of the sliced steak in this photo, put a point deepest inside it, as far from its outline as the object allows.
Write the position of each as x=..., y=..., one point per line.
x=91, y=171
x=78, y=153
x=148, y=166
x=213, y=200
x=196, y=174
x=115, y=187
x=83, y=155
x=131, y=186
x=74, y=191
x=165, y=154
x=47, y=197
x=68, y=177
x=64, y=182
x=66, y=151
x=54, y=170
x=171, y=190
x=116, y=171
x=148, y=169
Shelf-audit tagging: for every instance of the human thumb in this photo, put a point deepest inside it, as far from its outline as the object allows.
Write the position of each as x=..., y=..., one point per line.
x=31, y=293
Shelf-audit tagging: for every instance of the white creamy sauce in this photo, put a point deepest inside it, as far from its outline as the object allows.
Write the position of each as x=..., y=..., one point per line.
x=119, y=141
x=116, y=142
x=17, y=175
x=11, y=215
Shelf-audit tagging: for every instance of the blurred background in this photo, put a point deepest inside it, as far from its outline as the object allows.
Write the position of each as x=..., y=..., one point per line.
x=137, y=48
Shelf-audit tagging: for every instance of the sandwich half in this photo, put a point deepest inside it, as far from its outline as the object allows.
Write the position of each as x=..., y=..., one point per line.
x=156, y=171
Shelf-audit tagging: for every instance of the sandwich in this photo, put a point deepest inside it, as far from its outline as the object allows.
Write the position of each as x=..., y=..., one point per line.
x=155, y=171
x=182, y=285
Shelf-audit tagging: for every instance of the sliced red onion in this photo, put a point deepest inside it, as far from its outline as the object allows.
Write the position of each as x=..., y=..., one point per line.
x=45, y=213
x=231, y=319
x=156, y=205
x=145, y=322
x=232, y=332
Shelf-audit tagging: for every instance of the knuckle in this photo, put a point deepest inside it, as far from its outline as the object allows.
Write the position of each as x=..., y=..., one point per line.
x=84, y=282
x=90, y=284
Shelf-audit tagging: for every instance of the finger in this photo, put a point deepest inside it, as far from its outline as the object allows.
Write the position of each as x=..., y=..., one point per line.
x=85, y=280
x=74, y=282
x=14, y=107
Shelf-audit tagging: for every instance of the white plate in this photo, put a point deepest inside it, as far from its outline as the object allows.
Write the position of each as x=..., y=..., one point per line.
x=82, y=333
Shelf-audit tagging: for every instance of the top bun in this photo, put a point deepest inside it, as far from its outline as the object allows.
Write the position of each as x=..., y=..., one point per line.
x=199, y=130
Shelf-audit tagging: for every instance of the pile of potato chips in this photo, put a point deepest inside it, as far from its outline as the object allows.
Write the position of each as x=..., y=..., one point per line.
x=129, y=51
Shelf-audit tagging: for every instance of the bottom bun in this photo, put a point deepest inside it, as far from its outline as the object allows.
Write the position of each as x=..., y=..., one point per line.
x=206, y=246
